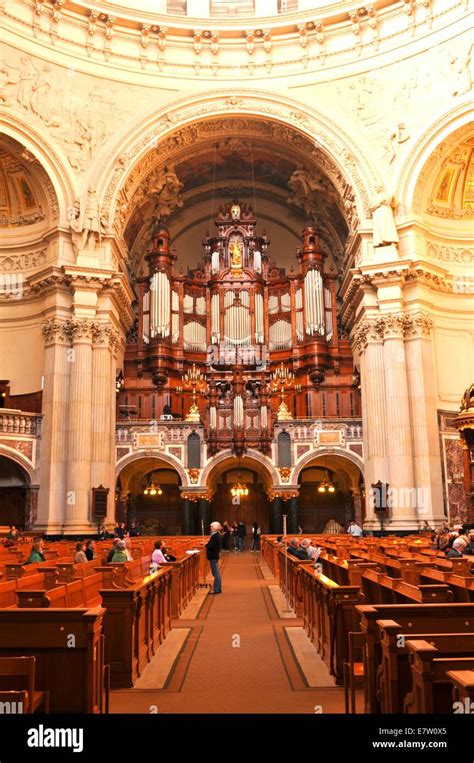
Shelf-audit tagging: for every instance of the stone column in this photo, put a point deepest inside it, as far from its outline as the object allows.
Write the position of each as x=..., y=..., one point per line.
x=370, y=346
x=276, y=522
x=102, y=453
x=204, y=516
x=122, y=507
x=293, y=515
x=424, y=419
x=114, y=343
x=403, y=511
x=77, y=517
x=54, y=435
x=31, y=507
x=187, y=517
x=357, y=498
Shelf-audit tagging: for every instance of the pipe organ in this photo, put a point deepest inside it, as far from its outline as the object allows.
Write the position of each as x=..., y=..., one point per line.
x=238, y=316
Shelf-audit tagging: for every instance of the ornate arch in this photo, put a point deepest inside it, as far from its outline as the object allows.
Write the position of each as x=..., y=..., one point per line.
x=252, y=459
x=119, y=157
x=158, y=455
x=321, y=452
x=428, y=143
x=21, y=460
x=52, y=161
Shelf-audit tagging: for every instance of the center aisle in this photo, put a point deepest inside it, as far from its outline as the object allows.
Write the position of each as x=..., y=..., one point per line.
x=237, y=665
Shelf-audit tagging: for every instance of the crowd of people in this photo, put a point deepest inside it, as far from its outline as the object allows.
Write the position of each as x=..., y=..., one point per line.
x=455, y=541
x=234, y=536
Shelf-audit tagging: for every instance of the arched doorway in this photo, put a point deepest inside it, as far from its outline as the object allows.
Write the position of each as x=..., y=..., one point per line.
x=14, y=485
x=149, y=497
x=345, y=502
x=254, y=507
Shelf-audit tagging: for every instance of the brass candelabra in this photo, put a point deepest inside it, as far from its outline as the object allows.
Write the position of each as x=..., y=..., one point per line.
x=194, y=379
x=283, y=378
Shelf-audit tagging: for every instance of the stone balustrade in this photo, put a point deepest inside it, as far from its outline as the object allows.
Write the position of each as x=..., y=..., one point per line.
x=19, y=422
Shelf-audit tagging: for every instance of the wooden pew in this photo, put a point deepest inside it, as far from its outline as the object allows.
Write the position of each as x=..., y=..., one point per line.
x=380, y=588
x=412, y=618
x=328, y=616
x=463, y=690
x=138, y=619
x=393, y=674
x=431, y=685
x=69, y=651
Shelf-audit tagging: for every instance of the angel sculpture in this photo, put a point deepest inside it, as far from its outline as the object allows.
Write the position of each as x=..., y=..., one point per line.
x=167, y=193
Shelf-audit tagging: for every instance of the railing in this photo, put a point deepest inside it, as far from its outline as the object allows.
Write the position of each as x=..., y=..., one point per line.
x=305, y=428
x=173, y=431
x=17, y=422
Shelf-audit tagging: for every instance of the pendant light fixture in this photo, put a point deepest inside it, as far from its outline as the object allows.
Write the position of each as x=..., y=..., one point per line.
x=152, y=488
x=239, y=488
x=327, y=485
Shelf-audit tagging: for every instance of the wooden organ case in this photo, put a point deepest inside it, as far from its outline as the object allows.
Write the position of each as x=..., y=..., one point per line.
x=237, y=317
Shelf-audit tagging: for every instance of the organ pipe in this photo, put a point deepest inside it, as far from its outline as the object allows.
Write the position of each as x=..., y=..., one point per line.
x=328, y=306
x=212, y=417
x=259, y=325
x=280, y=335
x=314, y=302
x=146, y=317
x=215, y=318
x=194, y=336
x=160, y=298
x=238, y=411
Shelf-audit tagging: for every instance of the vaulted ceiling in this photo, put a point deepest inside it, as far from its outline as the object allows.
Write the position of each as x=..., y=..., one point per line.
x=261, y=162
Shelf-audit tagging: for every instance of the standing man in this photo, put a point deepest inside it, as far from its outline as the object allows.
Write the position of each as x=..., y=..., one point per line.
x=354, y=529
x=241, y=533
x=213, y=548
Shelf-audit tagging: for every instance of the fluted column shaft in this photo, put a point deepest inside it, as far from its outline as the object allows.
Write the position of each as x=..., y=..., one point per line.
x=424, y=420
x=373, y=410
x=79, y=446
x=54, y=435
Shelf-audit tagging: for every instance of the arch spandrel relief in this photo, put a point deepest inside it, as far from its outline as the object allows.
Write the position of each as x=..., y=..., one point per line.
x=337, y=149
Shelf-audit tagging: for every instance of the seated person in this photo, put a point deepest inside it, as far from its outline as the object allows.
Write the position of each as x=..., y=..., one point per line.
x=120, y=531
x=12, y=536
x=469, y=550
x=157, y=556
x=120, y=554
x=168, y=557
x=90, y=550
x=458, y=548
x=112, y=550
x=104, y=533
x=128, y=549
x=311, y=550
x=354, y=529
x=296, y=550
x=36, y=554
x=80, y=555
x=280, y=540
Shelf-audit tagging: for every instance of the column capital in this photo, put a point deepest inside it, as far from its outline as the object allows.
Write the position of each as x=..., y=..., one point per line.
x=366, y=333
x=378, y=328
x=57, y=331
x=106, y=335
x=83, y=329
